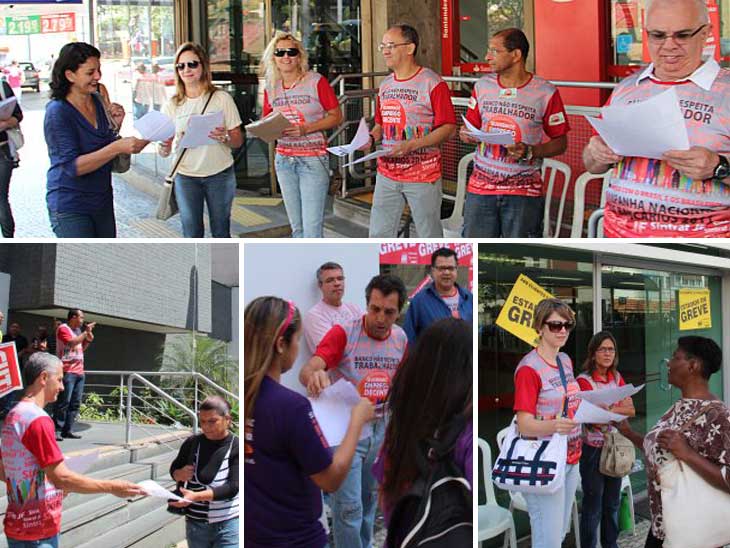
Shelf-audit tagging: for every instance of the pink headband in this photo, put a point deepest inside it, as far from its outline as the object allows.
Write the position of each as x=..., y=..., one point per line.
x=287, y=322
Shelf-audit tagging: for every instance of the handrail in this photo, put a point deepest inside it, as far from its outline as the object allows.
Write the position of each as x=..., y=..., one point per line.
x=165, y=395
x=167, y=373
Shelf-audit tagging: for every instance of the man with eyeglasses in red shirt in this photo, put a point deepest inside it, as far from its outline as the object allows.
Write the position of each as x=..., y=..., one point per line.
x=413, y=116
x=686, y=192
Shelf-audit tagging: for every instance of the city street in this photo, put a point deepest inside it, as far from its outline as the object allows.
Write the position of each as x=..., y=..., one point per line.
x=134, y=208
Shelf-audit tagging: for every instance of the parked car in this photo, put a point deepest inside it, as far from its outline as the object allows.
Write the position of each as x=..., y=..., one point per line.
x=31, y=74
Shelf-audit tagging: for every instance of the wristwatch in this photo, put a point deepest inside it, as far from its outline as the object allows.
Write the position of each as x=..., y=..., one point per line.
x=722, y=169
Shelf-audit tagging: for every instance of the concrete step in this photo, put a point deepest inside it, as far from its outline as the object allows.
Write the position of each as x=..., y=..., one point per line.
x=157, y=529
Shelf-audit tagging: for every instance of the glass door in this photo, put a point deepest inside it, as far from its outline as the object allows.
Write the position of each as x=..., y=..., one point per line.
x=640, y=307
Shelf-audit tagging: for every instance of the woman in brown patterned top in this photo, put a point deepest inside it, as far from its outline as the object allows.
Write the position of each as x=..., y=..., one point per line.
x=705, y=445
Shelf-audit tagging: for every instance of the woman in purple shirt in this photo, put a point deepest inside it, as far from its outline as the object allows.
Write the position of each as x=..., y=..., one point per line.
x=82, y=145
x=432, y=389
x=288, y=460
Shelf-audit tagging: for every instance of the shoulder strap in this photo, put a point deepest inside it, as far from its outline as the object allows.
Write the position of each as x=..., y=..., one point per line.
x=564, y=382
x=112, y=124
x=182, y=152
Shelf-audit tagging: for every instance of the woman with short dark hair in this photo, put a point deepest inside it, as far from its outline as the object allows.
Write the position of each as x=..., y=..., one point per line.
x=695, y=430
x=82, y=144
x=207, y=468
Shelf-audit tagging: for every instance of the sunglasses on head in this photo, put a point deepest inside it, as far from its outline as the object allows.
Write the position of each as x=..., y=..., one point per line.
x=189, y=64
x=556, y=327
x=290, y=52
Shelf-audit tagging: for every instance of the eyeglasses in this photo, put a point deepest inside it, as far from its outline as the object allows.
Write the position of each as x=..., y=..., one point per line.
x=680, y=37
x=603, y=350
x=495, y=51
x=445, y=268
x=390, y=46
x=557, y=327
x=289, y=52
x=189, y=64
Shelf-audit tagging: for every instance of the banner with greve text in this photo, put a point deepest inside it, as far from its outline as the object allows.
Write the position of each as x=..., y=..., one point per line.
x=9, y=369
x=420, y=253
x=519, y=309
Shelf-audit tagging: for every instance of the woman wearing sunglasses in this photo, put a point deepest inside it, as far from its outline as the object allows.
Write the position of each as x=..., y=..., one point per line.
x=545, y=401
x=601, y=494
x=205, y=174
x=310, y=104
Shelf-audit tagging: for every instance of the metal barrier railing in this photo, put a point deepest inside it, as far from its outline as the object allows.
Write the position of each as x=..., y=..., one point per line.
x=141, y=407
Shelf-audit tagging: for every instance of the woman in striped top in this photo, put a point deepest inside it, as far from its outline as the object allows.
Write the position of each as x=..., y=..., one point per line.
x=207, y=467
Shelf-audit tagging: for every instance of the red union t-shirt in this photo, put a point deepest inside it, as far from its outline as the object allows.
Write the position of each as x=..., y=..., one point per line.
x=410, y=109
x=368, y=363
x=28, y=446
x=307, y=101
x=72, y=355
x=648, y=198
x=528, y=112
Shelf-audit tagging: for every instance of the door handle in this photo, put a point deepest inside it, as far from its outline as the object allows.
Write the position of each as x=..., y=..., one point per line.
x=664, y=375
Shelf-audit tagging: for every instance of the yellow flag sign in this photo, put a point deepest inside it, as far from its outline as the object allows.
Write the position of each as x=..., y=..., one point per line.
x=694, y=309
x=519, y=310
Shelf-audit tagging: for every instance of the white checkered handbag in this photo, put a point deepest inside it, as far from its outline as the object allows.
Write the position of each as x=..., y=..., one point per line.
x=531, y=465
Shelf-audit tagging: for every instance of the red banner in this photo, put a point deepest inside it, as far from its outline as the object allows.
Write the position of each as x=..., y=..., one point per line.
x=420, y=254
x=9, y=369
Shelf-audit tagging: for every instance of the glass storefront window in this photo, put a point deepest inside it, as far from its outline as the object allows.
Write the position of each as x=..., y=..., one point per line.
x=480, y=20
x=626, y=32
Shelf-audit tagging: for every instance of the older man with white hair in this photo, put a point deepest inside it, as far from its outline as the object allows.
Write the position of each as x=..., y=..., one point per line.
x=687, y=192
x=33, y=467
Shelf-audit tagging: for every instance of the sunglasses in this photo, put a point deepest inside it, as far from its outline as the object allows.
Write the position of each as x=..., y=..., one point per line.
x=189, y=64
x=290, y=52
x=557, y=327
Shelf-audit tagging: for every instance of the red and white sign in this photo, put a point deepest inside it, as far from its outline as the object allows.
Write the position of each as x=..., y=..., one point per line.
x=420, y=254
x=9, y=369
x=58, y=22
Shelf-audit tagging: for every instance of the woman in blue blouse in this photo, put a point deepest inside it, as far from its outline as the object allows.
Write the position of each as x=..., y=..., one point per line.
x=82, y=145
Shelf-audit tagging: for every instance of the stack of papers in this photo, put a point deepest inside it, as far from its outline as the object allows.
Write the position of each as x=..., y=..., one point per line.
x=362, y=137
x=647, y=129
x=269, y=128
x=491, y=137
x=155, y=126
x=7, y=106
x=333, y=408
x=199, y=126
x=589, y=410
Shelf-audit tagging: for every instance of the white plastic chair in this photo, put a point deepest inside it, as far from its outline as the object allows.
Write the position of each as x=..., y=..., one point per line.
x=454, y=224
x=517, y=501
x=550, y=169
x=492, y=518
x=579, y=199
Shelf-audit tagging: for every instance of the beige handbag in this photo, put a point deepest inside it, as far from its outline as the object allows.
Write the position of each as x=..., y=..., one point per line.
x=695, y=513
x=617, y=456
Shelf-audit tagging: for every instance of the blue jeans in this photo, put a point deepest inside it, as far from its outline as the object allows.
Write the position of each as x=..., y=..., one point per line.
x=424, y=200
x=355, y=502
x=304, y=182
x=50, y=542
x=217, y=192
x=100, y=224
x=200, y=534
x=69, y=402
x=7, y=164
x=492, y=216
x=601, y=501
x=550, y=514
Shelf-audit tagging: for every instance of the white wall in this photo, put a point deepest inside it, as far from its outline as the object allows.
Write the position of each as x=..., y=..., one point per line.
x=288, y=271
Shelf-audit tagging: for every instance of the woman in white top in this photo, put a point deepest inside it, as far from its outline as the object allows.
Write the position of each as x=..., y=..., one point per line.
x=205, y=174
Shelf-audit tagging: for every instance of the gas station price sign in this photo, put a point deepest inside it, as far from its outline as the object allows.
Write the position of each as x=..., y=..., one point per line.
x=40, y=24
